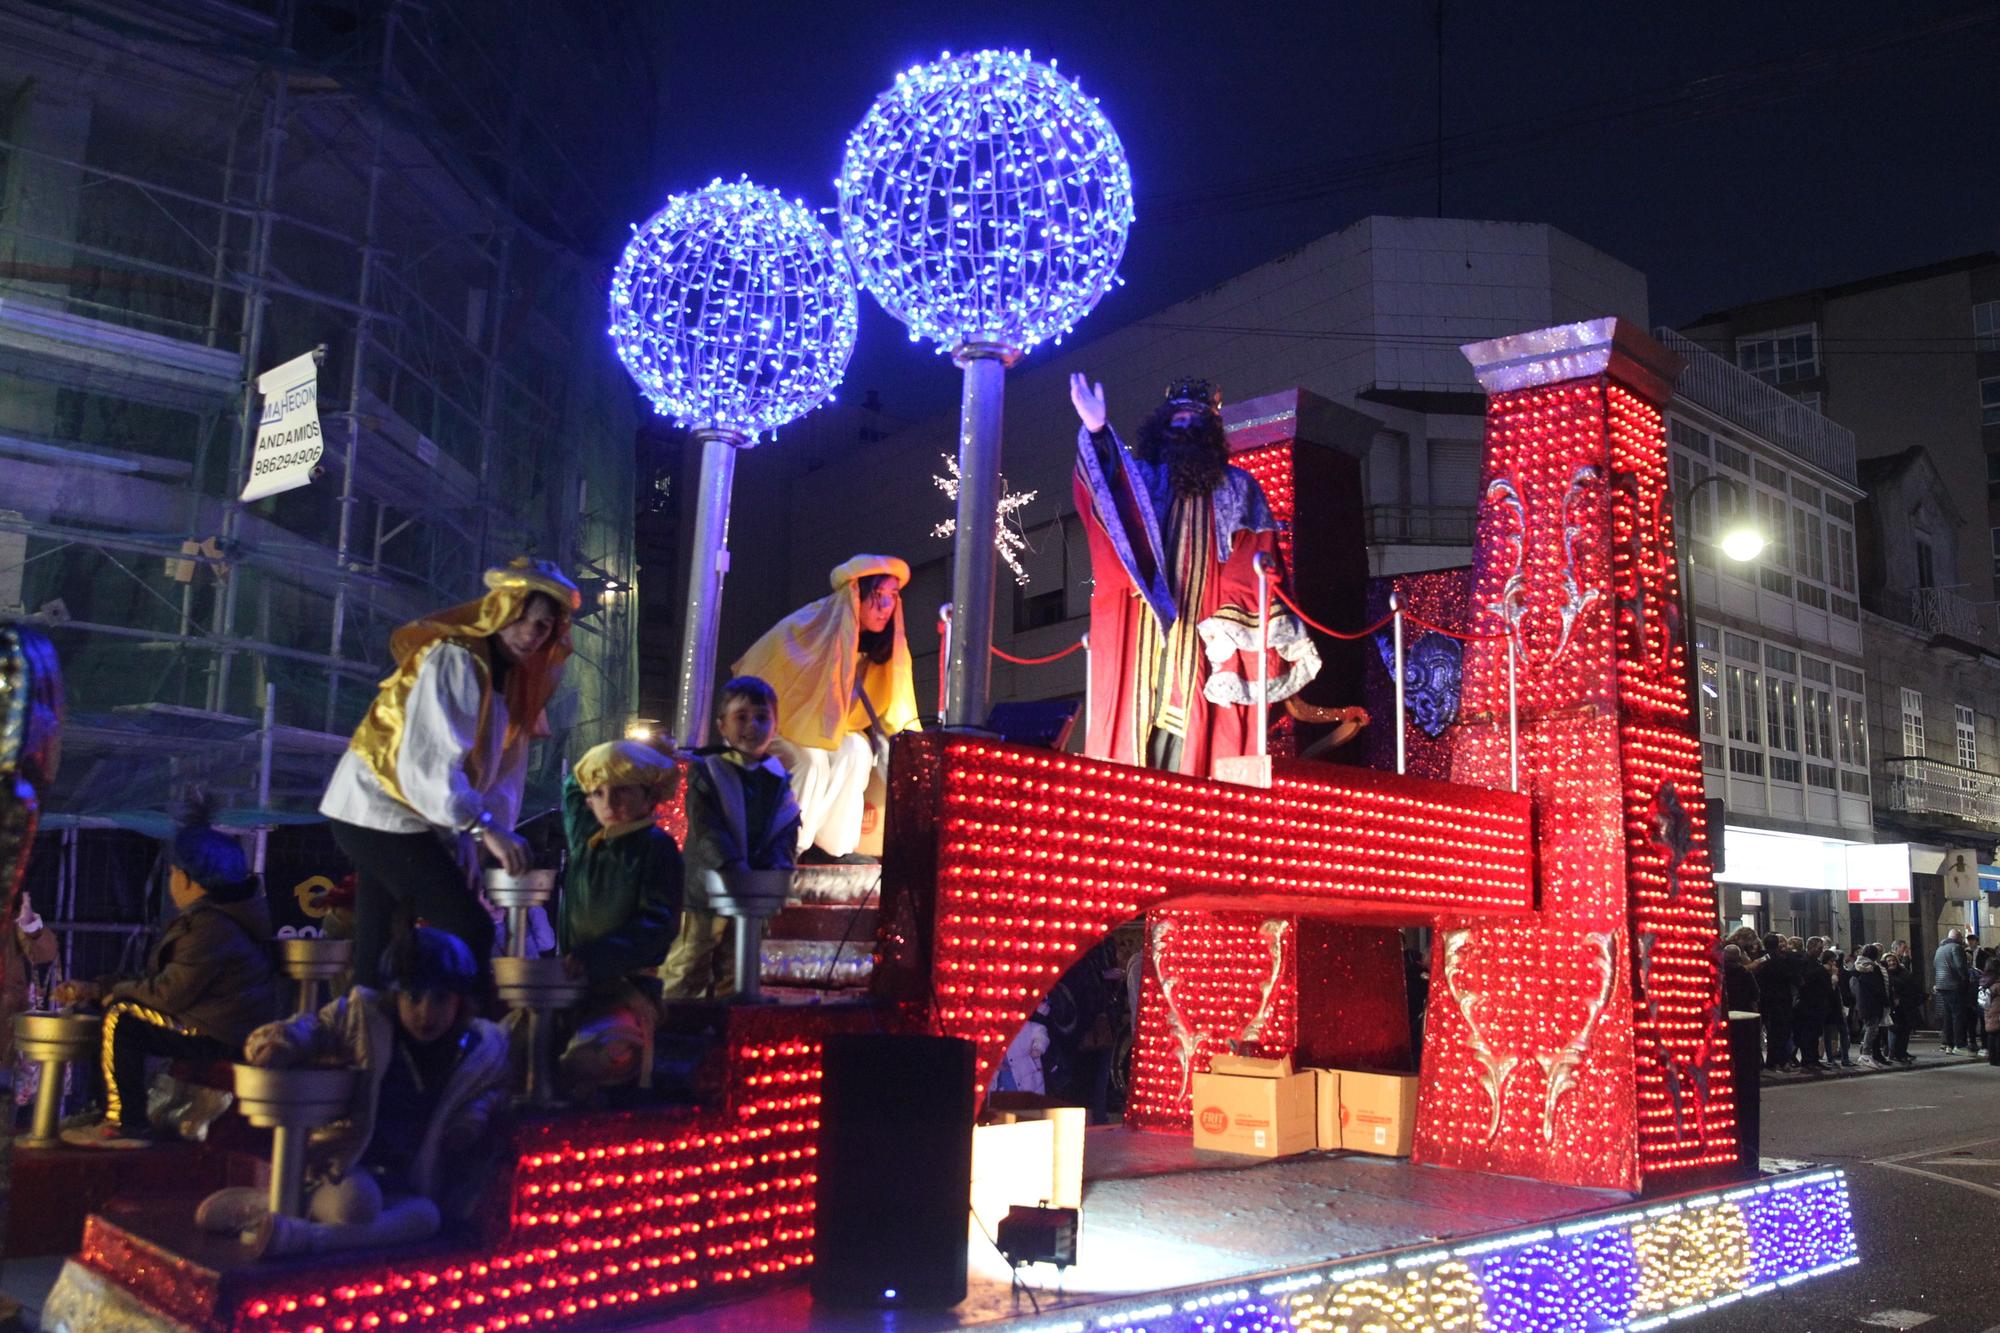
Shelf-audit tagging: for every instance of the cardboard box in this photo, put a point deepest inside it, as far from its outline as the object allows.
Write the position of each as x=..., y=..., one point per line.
x=1326, y=1108
x=1255, y=1108
x=1378, y=1112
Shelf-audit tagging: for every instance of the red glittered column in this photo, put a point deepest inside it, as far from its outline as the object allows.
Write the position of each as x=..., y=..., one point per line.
x=1583, y=1044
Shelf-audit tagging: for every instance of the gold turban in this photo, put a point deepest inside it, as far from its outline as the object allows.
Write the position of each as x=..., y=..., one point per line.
x=809, y=659
x=623, y=764
x=530, y=682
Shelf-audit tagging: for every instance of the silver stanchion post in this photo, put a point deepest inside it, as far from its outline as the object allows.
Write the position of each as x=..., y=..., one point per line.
x=1396, y=639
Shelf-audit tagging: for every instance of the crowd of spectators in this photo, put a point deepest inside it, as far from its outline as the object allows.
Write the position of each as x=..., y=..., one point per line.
x=1818, y=1005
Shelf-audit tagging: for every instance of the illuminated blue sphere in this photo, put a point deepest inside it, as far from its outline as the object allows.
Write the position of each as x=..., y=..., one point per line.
x=985, y=199
x=732, y=308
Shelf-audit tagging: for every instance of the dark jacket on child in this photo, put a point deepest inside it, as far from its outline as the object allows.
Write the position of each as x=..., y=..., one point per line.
x=740, y=817
x=212, y=970
x=622, y=894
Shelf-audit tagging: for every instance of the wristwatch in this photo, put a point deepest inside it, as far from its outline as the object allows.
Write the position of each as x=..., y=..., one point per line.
x=482, y=824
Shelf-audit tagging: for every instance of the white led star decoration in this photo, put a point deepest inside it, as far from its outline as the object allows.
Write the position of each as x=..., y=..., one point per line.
x=1008, y=537
x=985, y=200
x=733, y=308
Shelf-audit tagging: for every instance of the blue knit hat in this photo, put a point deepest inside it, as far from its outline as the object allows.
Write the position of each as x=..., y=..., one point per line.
x=429, y=959
x=208, y=856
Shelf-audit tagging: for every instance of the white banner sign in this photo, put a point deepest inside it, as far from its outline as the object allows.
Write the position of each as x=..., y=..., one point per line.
x=288, y=441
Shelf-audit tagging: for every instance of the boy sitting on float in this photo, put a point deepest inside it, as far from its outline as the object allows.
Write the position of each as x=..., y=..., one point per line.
x=740, y=816
x=621, y=905
x=403, y=1158
x=208, y=981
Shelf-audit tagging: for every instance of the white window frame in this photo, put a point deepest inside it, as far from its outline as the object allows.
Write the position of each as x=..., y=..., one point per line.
x=1989, y=401
x=1913, y=723
x=1986, y=326
x=1783, y=362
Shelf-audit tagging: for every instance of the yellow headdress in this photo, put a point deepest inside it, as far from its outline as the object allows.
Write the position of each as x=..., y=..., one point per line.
x=809, y=659
x=623, y=764
x=530, y=682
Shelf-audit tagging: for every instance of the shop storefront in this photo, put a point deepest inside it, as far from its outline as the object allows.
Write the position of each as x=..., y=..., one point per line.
x=1797, y=884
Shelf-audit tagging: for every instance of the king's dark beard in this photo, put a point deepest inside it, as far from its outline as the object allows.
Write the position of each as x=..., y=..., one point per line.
x=1194, y=468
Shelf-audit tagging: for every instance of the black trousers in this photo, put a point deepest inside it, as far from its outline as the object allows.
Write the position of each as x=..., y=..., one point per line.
x=132, y=1033
x=1951, y=1018
x=399, y=877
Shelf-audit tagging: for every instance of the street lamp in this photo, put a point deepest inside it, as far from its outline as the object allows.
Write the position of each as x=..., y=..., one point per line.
x=735, y=312
x=984, y=201
x=1743, y=541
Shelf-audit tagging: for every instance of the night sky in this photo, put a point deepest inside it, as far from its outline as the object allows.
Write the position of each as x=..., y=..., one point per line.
x=1729, y=151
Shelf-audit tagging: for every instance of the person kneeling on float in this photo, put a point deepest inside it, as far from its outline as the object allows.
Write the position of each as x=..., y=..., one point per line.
x=841, y=669
x=621, y=904
x=401, y=1160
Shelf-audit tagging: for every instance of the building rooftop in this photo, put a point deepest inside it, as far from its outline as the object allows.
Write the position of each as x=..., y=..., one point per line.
x=1736, y=395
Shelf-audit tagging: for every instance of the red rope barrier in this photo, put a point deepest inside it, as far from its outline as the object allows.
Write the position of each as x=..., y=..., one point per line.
x=1452, y=633
x=1006, y=656
x=1286, y=598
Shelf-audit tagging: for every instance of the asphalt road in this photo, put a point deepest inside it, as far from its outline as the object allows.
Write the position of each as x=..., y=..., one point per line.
x=1922, y=1154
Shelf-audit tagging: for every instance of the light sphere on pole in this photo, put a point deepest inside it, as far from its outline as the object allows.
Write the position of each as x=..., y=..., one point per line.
x=985, y=201
x=733, y=309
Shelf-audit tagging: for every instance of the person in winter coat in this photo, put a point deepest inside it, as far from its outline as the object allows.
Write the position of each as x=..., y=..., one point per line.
x=1834, y=1036
x=1739, y=983
x=431, y=1078
x=1989, y=984
x=1871, y=1005
x=1906, y=1006
x=1951, y=978
x=1815, y=1001
x=208, y=982
x=1778, y=986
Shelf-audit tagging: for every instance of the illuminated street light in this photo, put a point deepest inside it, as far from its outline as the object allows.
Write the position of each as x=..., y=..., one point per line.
x=1743, y=543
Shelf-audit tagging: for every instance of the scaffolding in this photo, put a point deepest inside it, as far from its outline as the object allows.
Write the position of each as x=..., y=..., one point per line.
x=192, y=192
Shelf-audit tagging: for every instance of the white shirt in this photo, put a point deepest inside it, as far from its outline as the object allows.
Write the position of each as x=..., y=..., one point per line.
x=440, y=742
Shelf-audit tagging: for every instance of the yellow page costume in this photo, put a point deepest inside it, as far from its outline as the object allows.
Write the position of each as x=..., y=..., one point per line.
x=812, y=658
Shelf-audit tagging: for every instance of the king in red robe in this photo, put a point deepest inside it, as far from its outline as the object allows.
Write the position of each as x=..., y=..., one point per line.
x=1174, y=532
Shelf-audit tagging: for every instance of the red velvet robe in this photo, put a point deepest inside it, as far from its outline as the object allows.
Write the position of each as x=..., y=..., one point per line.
x=1173, y=614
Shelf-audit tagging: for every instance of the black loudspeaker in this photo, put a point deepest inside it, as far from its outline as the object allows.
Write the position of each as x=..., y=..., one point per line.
x=894, y=1196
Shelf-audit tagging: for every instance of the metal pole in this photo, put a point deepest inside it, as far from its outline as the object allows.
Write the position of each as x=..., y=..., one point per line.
x=749, y=945
x=1086, y=683
x=288, y=1169
x=944, y=661
x=363, y=328
x=970, y=666
x=708, y=562
x=255, y=299
x=1396, y=638
x=1677, y=510
x=1513, y=722
x=264, y=747
x=1263, y=655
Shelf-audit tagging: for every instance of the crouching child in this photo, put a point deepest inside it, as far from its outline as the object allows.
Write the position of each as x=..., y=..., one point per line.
x=621, y=905
x=404, y=1159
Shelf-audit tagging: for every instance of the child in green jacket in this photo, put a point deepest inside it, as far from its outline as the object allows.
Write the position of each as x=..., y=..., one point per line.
x=621, y=905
